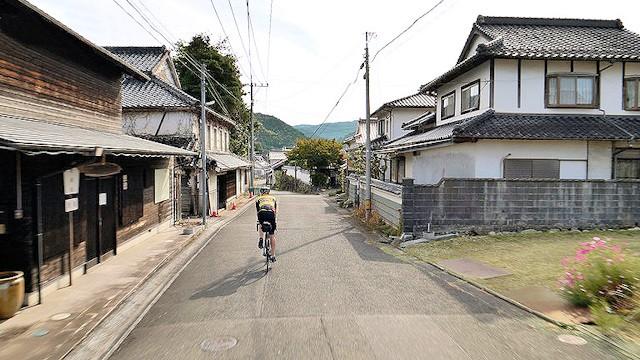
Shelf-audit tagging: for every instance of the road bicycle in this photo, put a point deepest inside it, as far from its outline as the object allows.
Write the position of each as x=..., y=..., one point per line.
x=266, y=248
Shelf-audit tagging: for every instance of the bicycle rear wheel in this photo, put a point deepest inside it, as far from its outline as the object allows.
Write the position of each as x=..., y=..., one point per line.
x=267, y=247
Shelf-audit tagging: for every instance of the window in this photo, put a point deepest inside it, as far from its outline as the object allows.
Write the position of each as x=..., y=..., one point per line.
x=381, y=127
x=397, y=169
x=571, y=90
x=531, y=168
x=470, y=97
x=628, y=169
x=632, y=93
x=448, y=104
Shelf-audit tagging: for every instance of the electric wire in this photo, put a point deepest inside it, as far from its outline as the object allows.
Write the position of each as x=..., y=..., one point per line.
x=406, y=29
x=224, y=31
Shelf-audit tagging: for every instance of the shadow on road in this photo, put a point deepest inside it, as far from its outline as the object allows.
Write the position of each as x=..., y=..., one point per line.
x=366, y=251
x=229, y=285
x=231, y=282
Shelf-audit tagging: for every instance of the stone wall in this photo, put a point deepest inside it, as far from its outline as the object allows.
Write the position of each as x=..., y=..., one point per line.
x=482, y=205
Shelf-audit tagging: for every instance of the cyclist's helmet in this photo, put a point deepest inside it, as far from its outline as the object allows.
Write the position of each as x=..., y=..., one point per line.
x=264, y=190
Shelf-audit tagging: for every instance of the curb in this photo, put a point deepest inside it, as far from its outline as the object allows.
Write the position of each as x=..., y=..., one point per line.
x=163, y=287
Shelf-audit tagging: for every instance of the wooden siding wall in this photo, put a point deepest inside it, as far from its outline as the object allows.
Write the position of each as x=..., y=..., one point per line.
x=37, y=84
x=152, y=213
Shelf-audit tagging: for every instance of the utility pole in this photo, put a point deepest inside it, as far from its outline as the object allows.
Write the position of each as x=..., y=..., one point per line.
x=367, y=201
x=252, y=155
x=251, y=142
x=204, y=184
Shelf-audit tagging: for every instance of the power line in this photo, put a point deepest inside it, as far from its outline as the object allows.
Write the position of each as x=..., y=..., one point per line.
x=344, y=92
x=266, y=95
x=224, y=31
x=407, y=28
x=253, y=36
x=188, y=57
x=235, y=21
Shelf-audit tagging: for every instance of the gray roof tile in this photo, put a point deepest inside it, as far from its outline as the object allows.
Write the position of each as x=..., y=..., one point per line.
x=144, y=58
x=545, y=38
x=154, y=93
x=412, y=101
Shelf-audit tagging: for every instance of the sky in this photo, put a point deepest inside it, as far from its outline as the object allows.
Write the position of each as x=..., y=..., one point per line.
x=316, y=47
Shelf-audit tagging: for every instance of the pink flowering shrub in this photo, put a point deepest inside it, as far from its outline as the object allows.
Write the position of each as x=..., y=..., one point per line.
x=601, y=273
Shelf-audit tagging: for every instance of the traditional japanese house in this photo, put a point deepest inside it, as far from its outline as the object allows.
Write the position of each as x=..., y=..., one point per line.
x=75, y=188
x=157, y=109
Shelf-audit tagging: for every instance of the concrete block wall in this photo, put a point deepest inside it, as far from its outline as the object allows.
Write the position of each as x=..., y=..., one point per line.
x=483, y=205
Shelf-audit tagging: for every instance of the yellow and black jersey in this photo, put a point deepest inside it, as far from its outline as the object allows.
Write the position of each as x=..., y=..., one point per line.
x=266, y=202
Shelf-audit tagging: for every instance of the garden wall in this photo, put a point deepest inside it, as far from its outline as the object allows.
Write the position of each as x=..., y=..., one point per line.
x=483, y=205
x=386, y=199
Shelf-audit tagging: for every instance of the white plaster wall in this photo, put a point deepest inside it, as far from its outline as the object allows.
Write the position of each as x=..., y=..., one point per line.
x=146, y=123
x=213, y=190
x=484, y=159
x=600, y=159
x=429, y=166
x=533, y=86
x=480, y=72
x=400, y=116
x=477, y=40
x=506, y=89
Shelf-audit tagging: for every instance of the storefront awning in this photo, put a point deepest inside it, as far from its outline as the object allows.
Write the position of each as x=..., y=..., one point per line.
x=227, y=161
x=37, y=137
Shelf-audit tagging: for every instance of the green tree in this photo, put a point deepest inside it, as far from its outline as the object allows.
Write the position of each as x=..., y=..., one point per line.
x=222, y=65
x=318, y=156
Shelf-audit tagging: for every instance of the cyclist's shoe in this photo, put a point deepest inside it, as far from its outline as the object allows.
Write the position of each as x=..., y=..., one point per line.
x=260, y=243
x=272, y=258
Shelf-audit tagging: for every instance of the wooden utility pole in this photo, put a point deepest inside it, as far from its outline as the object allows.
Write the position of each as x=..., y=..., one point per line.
x=203, y=146
x=367, y=201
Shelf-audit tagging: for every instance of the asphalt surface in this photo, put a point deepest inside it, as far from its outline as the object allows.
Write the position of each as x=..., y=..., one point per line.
x=332, y=295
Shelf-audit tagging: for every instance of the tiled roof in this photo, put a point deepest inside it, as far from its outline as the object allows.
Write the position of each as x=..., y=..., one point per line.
x=144, y=58
x=421, y=139
x=412, y=101
x=154, y=93
x=507, y=126
x=490, y=125
x=428, y=117
x=540, y=38
x=157, y=94
x=42, y=137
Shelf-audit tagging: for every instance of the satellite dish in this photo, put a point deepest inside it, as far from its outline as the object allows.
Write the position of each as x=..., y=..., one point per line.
x=100, y=169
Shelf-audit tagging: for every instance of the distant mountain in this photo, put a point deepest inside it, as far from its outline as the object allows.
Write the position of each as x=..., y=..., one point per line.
x=274, y=133
x=336, y=130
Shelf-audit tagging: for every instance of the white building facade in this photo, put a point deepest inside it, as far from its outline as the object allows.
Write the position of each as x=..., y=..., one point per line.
x=528, y=99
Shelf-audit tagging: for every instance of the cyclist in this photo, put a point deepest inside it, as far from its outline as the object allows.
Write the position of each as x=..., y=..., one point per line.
x=266, y=206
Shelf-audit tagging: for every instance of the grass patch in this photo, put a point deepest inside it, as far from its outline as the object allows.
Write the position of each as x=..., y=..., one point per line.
x=533, y=258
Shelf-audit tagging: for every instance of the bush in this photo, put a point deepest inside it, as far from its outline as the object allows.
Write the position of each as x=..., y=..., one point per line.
x=376, y=222
x=602, y=276
x=286, y=182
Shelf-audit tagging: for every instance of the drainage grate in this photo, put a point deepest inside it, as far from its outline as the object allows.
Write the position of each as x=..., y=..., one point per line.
x=218, y=344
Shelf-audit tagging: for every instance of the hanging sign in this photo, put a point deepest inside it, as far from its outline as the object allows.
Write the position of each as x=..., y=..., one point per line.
x=70, y=204
x=71, y=179
x=102, y=199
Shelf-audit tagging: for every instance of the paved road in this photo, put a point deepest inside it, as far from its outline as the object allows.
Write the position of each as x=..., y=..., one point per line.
x=332, y=295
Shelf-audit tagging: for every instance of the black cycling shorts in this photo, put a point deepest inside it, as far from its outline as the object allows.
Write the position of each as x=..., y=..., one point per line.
x=270, y=217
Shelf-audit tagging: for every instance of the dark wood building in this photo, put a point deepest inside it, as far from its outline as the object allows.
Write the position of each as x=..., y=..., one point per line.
x=60, y=110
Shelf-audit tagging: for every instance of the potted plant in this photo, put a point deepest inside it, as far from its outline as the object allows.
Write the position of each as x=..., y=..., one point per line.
x=11, y=293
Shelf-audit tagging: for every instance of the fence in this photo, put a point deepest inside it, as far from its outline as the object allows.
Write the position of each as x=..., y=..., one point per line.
x=386, y=199
x=482, y=205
